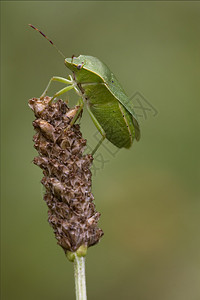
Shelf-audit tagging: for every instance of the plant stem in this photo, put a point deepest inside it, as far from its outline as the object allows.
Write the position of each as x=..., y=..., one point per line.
x=79, y=276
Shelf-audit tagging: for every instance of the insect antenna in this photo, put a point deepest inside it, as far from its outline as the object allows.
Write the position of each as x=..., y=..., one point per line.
x=50, y=41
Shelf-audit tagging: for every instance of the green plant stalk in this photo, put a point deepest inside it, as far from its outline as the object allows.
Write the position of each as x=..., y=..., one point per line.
x=79, y=276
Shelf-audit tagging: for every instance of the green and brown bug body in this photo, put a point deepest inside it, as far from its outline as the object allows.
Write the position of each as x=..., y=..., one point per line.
x=101, y=93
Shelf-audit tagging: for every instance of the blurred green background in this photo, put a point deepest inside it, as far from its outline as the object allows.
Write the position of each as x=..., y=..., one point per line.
x=148, y=195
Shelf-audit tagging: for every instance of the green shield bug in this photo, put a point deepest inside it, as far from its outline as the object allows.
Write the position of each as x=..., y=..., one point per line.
x=103, y=96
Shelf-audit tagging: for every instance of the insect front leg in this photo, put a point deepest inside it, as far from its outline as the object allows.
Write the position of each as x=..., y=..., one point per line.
x=55, y=78
x=100, y=129
x=64, y=90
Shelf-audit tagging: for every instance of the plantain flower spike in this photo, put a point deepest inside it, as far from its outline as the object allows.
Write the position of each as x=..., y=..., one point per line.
x=67, y=175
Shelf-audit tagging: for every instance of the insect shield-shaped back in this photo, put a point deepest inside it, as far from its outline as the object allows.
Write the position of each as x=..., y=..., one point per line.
x=106, y=99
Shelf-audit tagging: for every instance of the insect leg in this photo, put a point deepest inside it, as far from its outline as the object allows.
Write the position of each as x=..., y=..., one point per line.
x=100, y=129
x=77, y=113
x=55, y=78
x=80, y=104
x=64, y=90
x=98, y=145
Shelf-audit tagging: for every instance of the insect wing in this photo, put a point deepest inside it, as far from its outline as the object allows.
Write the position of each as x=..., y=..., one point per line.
x=115, y=88
x=97, y=67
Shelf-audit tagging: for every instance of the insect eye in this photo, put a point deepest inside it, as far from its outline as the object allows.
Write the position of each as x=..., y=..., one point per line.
x=80, y=66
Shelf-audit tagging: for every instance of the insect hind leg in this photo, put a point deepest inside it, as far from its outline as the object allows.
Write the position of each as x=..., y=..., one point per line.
x=98, y=145
x=100, y=129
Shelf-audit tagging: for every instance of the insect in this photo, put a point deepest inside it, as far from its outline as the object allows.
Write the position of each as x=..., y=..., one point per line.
x=103, y=96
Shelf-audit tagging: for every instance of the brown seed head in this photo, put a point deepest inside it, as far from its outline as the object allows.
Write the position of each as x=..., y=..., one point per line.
x=67, y=175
